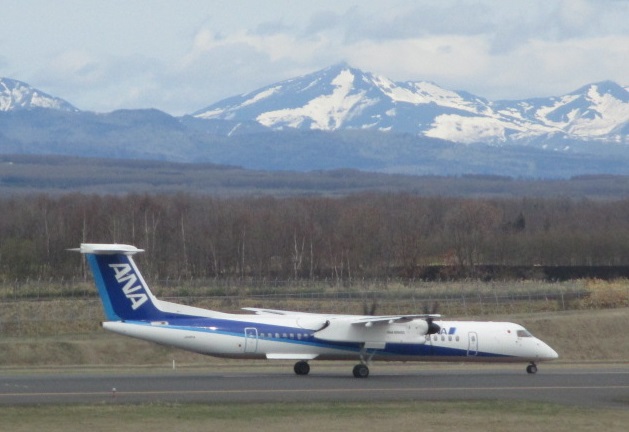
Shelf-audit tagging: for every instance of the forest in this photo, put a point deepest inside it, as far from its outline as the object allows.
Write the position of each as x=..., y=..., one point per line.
x=363, y=235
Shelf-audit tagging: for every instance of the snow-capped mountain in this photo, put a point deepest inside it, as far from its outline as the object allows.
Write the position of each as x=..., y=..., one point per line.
x=342, y=97
x=16, y=95
x=596, y=112
x=285, y=126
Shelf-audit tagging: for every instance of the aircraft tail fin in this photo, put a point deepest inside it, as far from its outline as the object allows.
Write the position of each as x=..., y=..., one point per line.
x=123, y=291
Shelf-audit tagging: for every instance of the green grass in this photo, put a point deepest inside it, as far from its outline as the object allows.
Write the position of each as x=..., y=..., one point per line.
x=483, y=416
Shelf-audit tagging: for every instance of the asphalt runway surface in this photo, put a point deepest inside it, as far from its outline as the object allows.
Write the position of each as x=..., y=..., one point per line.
x=579, y=386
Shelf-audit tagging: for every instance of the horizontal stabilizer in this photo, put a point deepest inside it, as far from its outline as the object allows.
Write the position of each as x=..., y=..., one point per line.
x=107, y=249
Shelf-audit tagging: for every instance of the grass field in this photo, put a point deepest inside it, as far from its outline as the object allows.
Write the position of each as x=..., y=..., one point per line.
x=578, y=336
x=484, y=416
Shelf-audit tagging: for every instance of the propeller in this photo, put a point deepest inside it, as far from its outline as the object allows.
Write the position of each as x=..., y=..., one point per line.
x=432, y=327
x=370, y=309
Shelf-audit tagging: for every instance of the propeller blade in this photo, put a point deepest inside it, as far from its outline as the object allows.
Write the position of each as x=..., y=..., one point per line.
x=370, y=309
x=432, y=327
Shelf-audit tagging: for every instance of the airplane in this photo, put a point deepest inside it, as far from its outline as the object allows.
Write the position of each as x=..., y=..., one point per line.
x=132, y=310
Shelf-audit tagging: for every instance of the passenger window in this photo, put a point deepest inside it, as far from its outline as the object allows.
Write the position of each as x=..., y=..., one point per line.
x=449, y=338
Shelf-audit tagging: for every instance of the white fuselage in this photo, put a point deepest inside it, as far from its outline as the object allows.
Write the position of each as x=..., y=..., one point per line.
x=295, y=337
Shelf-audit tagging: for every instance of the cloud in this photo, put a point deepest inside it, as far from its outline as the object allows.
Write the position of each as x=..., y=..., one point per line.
x=322, y=21
x=435, y=58
x=184, y=60
x=103, y=83
x=78, y=66
x=243, y=59
x=562, y=66
x=271, y=28
x=499, y=54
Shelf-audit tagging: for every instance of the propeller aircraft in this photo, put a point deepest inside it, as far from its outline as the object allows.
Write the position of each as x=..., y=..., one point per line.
x=131, y=309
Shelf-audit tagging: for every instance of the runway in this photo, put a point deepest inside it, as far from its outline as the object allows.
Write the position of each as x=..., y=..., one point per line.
x=579, y=386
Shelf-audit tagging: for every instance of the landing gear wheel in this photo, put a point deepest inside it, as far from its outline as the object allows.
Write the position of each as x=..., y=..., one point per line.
x=532, y=368
x=361, y=371
x=302, y=368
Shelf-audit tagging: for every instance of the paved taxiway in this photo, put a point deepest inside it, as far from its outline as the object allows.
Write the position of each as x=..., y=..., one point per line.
x=582, y=386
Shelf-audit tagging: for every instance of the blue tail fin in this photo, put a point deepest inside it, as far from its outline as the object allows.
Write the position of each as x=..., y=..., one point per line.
x=122, y=289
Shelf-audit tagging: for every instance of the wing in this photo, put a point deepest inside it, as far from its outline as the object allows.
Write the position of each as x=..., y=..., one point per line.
x=261, y=311
x=357, y=319
x=372, y=331
x=368, y=321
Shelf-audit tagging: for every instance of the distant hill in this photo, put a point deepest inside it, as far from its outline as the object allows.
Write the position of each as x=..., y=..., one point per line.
x=27, y=174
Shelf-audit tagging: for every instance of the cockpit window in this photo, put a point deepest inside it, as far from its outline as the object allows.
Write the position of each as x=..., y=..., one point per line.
x=524, y=333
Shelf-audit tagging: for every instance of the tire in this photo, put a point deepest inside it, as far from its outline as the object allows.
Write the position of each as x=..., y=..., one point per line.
x=302, y=368
x=361, y=371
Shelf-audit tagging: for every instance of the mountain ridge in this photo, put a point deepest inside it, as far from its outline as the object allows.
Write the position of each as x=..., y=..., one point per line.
x=344, y=118
x=18, y=95
x=342, y=97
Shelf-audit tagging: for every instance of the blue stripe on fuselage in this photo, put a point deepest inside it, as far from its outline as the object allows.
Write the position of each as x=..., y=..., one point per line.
x=232, y=328
x=228, y=327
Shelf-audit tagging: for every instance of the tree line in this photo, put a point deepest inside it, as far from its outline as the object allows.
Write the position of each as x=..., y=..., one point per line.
x=367, y=235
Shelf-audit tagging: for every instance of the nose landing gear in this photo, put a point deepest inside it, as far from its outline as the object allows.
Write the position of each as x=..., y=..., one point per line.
x=532, y=368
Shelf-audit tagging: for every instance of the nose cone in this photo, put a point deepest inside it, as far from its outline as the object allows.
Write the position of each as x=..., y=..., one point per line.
x=545, y=352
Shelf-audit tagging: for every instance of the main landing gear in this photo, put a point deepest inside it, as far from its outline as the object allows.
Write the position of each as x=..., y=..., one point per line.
x=361, y=371
x=302, y=368
x=532, y=368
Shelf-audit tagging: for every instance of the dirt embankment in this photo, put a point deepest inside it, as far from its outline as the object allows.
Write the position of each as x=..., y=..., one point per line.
x=599, y=335
x=578, y=336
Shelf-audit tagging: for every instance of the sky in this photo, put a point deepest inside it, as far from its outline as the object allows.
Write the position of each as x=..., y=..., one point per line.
x=181, y=56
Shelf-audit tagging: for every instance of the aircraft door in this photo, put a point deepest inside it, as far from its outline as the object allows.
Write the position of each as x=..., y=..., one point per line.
x=472, y=344
x=251, y=339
